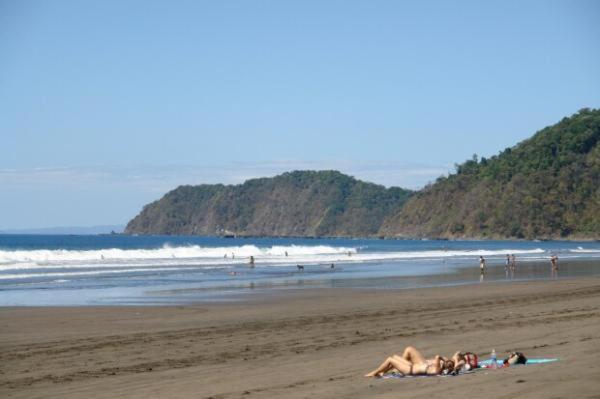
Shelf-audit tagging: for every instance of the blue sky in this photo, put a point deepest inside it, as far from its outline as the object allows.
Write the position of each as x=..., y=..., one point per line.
x=105, y=106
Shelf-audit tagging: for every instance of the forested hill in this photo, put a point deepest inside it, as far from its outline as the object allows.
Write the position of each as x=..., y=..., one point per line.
x=545, y=187
x=300, y=203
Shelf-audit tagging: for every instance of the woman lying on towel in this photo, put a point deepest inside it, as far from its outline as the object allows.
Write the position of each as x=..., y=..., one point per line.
x=412, y=362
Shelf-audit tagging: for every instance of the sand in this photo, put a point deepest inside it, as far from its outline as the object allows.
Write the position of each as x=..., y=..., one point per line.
x=308, y=343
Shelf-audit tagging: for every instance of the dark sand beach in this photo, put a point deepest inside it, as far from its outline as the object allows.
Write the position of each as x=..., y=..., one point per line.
x=310, y=343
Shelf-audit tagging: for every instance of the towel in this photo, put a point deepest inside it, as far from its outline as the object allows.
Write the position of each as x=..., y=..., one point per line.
x=483, y=364
x=488, y=362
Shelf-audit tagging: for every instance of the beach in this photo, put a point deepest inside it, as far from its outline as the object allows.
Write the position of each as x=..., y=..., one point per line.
x=308, y=343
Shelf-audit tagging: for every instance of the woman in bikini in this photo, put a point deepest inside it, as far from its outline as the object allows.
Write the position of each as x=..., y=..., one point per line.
x=412, y=362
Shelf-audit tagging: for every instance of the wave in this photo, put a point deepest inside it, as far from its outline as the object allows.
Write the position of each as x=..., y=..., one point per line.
x=581, y=250
x=86, y=273
x=205, y=257
x=166, y=252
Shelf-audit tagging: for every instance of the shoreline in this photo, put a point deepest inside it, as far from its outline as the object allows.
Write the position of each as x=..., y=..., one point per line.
x=312, y=342
x=243, y=288
x=372, y=237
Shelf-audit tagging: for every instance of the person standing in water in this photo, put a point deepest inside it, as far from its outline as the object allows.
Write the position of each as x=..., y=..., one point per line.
x=251, y=261
x=482, y=267
x=507, y=266
x=513, y=265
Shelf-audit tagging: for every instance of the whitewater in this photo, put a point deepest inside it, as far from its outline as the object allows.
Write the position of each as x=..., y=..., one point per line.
x=101, y=267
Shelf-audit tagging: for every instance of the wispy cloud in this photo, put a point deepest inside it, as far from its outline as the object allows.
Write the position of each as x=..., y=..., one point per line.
x=99, y=195
x=161, y=178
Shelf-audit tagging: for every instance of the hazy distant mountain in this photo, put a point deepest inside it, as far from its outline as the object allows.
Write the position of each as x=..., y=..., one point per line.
x=68, y=230
x=548, y=186
x=300, y=203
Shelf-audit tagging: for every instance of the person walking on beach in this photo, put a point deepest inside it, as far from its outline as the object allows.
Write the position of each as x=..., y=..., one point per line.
x=513, y=265
x=554, y=263
x=507, y=266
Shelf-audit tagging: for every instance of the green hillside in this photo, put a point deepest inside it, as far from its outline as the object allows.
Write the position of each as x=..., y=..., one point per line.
x=300, y=203
x=545, y=187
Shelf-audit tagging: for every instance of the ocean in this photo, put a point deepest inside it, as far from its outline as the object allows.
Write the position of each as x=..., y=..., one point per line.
x=61, y=270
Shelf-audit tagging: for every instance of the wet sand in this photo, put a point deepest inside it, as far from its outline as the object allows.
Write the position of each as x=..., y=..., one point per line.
x=308, y=343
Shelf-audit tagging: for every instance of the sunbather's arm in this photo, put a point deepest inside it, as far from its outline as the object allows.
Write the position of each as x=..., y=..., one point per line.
x=435, y=368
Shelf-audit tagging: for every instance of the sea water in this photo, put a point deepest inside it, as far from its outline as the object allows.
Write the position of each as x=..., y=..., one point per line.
x=54, y=270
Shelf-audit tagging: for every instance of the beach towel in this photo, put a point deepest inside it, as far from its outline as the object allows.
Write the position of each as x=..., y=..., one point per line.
x=399, y=375
x=484, y=365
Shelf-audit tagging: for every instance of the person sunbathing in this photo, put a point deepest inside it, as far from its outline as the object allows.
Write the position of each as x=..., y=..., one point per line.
x=412, y=362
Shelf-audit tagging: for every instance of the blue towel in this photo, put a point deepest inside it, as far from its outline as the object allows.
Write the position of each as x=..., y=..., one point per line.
x=482, y=363
x=529, y=361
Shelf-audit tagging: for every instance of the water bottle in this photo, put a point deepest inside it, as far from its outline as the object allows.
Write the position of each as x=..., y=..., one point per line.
x=493, y=363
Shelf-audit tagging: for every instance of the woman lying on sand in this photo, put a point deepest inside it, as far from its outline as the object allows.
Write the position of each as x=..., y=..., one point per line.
x=412, y=362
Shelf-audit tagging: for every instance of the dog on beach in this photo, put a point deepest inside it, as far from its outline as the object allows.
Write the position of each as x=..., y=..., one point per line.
x=300, y=268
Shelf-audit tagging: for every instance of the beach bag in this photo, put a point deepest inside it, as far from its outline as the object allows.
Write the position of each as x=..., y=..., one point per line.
x=471, y=360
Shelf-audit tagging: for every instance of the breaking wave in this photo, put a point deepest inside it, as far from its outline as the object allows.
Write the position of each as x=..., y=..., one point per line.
x=18, y=264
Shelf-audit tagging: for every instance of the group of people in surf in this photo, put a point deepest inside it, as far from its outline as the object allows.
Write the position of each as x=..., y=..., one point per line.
x=510, y=266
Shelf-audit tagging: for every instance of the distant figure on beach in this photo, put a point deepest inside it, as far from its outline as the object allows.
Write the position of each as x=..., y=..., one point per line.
x=232, y=255
x=102, y=256
x=225, y=256
x=286, y=254
x=349, y=253
x=332, y=266
x=507, y=266
x=251, y=261
x=554, y=263
x=513, y=265
x=482, y=267
x=412, y=362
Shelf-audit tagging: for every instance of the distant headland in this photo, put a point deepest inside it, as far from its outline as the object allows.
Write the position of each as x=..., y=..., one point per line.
x=546, y=187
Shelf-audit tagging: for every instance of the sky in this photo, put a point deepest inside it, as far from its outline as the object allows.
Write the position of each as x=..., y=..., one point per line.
x=105, y=106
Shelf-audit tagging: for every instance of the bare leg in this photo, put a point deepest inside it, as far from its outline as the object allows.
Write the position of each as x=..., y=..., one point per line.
x=413, y=355
x=390, y=363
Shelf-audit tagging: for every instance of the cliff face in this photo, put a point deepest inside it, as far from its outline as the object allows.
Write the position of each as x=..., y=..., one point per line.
x=545, y=187
x=301, y=203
